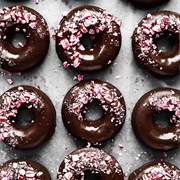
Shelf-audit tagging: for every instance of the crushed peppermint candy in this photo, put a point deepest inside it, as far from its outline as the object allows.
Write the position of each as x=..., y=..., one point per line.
x=11, y=101
x=10, y=81
x=170, y=103
x=109, y=99
x=152, y=27
x=164, y=154
x=16, y=15
x=21, y=44
x=161, y=171
x=37, y=1
x=20, y=170
x=91, y=159
x=79, y=77
x=82, y=22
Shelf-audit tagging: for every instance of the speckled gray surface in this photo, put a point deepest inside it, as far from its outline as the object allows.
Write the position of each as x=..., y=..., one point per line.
x=125, y=74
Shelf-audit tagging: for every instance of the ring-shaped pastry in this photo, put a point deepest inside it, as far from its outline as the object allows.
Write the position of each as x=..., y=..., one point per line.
x=143, y=119
x=91, y=159
x=147, y=3
x=74, y=109
x=34, y=27
x=41, y=127
x=23, y=169
x=156, y=170
x=145, y=36
x=99, y=25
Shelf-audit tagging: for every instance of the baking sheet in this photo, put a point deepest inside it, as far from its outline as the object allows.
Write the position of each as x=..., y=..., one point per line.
x=125, y=74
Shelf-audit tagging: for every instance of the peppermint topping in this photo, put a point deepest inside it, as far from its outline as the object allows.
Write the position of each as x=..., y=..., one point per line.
x=161, y=172
x=11, y=101
x=79, y=77
x=150, y=29
x=20, y=170
x=10, y=81
x=82, y=22
x=93, y=160
x=170, y=103
x=16, y=16
x=108, y=98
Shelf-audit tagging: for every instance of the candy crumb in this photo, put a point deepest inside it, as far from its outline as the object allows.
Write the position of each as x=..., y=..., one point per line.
x=78, y=77
x=10, y=81
x=37, y=1
x=164, y=154
x=121, y=146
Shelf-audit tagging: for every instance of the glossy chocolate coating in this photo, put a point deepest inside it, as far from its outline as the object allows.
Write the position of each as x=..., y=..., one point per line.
x=92, y=159
x=38, y=132
x=16, y=167
x=158, y=167
x=152, y=60
x=147, y=3
x=145, y=127
x=102, y=129
x=104, y=51
x=33, y=53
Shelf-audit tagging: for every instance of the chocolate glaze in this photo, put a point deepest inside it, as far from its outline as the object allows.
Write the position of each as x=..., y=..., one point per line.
x=144, y=43
x=147, y=3
x=144, y=126
x=15, y=168
x=74, y=105
x=151, y=170
x=92, y=159
x=39, y=131
x=33, y=53
x=104, y=51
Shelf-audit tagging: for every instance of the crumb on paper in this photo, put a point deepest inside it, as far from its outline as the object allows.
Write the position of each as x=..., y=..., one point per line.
x=8, y=73
x=78, y=77
x=10, y=81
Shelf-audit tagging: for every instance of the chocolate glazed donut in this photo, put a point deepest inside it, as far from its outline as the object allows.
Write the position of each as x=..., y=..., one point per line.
x=95, y=160
x=144, y=125
x=102, y=27
x=23, y=169
x=34, y=27
x=42, y=126
x=156, y=170
x=147, y=3
x=145, y=37
x=74, y=109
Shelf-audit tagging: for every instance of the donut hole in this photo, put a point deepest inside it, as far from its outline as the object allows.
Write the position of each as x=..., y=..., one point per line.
x=162, y=118
x=88, y=175
x=94, y=111
x=17, y=37
x=166, y=41
x=24, y=117
x=89, y=40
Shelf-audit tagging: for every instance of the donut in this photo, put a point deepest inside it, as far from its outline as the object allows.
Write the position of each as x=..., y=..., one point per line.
x=40, y=129
x=97, y=161
x=74, y=109
x=34, y=27
x=143, y=119
x=102, y=29
x=157, y=170
x=144, y=39
x=147, y=3
x=23, y=169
